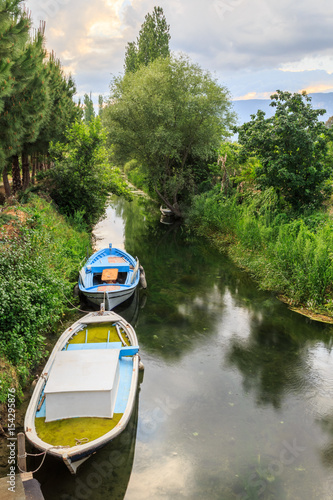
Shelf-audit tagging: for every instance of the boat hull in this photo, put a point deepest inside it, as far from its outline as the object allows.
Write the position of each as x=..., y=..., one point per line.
x=74, y=456
x=111, y=299
x=94, y=286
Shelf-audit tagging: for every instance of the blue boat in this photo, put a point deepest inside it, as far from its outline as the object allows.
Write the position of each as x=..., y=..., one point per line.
x=86, y=393
x=110, y=277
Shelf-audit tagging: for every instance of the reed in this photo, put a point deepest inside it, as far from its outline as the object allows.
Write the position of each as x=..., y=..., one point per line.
x=289, y=255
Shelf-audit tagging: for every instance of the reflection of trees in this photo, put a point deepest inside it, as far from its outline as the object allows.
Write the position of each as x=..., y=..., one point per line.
x=327, y=452
x=272, y=360
x=182, y=276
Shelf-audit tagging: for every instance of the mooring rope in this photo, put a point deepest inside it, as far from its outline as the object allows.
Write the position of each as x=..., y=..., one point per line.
x=74, y=307
x=84, y=440
x=31, y=455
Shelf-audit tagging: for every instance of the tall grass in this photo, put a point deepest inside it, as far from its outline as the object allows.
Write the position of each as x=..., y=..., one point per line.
x=291, y=256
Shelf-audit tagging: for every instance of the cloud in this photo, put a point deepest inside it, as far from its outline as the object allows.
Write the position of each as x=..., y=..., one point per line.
x=252, y=46
x=310, y=63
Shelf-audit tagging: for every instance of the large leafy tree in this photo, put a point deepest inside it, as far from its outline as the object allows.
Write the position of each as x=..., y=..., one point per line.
x=169, y=115
x=152, y=42
x=293, y=148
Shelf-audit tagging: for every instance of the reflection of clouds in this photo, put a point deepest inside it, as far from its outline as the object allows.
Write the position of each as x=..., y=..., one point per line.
x=110, y=229
x=170, y=477
x=320, y=362
x=210, y=301
x=236, y=319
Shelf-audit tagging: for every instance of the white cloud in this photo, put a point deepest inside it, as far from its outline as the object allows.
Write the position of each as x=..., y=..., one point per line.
x=310, y=63
x=252, y=46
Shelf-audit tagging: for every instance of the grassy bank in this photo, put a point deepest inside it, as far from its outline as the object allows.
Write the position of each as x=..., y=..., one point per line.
x=40, y=255
x=289, y=255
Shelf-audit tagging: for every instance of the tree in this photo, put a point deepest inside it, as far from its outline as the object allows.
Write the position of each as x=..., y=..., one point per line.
x=61, y=113
x=100, y=105
x=329, y=122
x=89, y=112
x=167, y=115
x=82, y=177
x=24, y=109
x=153, y=42
x=14, y=35
x=292, y=147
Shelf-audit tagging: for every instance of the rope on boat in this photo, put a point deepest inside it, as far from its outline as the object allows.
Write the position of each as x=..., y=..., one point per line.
x=78, y=442
x=75, y=307
x=25, y=455
x=32, y=455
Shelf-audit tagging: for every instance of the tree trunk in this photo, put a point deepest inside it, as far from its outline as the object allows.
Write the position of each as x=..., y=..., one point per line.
x=33, y=168
x=16, y=173
x=175, y=208
x=8, y=191
x=25, y=171
x=225, y=178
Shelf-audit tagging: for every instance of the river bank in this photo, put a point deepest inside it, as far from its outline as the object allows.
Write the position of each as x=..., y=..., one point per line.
x=227, y=245
x=286, y=253
x=40, y=258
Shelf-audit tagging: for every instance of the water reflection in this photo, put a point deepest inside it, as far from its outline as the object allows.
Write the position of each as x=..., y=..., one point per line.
x=104, y=475
x=237, y=397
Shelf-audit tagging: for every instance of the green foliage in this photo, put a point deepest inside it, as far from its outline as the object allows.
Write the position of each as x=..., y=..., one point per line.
x=100, y=105
x=61, y=112
x=35, y=97
x=82, y=177
x=37, y=270
x=152, y=43
x=89, y=113
x=293, y=149
x=170, y=116
x=287, y=255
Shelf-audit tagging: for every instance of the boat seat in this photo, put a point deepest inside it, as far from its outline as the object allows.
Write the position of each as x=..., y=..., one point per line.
x=110, y=275
x=94, y=345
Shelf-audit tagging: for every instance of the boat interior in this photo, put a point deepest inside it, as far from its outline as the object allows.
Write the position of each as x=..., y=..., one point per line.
x=78, y=430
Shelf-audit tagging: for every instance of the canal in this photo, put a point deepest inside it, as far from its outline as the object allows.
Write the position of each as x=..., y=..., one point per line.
x=236, y=401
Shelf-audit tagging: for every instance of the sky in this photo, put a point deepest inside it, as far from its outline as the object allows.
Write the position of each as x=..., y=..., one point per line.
x=252, y=47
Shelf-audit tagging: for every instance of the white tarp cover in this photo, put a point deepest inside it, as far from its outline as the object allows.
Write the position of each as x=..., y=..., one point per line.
x=82, y=384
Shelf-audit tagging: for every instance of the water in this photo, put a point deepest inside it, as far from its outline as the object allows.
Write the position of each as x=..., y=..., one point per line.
x=237, y=396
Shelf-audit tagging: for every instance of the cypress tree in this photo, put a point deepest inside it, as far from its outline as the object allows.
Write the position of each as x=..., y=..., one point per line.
x=14, y=34
x=89, y=112
x=152, y=42
x=61, y=111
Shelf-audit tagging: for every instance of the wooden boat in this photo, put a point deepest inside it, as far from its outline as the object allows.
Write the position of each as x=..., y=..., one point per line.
x=166, y=211
x=86, y=393
x=110, y=276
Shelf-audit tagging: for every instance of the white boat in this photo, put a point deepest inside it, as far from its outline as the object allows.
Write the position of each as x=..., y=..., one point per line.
x=86, y=393
x=110, y=276
x=166, y=211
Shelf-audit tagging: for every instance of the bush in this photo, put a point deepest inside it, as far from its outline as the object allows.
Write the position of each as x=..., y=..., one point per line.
x=39, y=262
x=82, y=177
